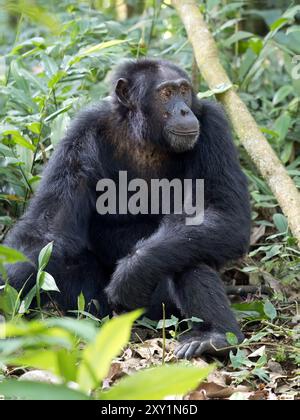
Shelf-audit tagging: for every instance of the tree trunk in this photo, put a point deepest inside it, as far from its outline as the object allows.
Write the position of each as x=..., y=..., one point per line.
x=251, y=137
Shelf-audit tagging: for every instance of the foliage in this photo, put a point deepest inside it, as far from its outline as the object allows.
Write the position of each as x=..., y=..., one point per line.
x=81, y=373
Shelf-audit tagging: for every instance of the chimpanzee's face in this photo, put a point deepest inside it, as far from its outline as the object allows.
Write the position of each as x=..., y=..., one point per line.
x=164, y=99
x=173, y=101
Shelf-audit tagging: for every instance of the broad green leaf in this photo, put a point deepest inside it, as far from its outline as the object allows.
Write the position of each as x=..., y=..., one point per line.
x=21, y=329
x=61, y=362
x=239, y=359
x=50, y=65
x=33, y=12
x=19, y=139
x=280, y=221
x=272, y=252
x=158, y=383
x=166, y=323
x=238, y=36
x=282, y=125
x=103, y=45
x=10, y=255
x=26, y=390
x=81, y=328
x=270, y=310
x=28, y=300
x=97, y=356
x=232, y=339
x=57, y=77
x=45, y=255
x=9, y=300
x=47, y=282
x=251, y=310
x=247, y=61
x=210, y=4
x=287, y=151
x=279, y=23
x=218, y=89
x=46, y=360
x=282, y=93
x=291, y=12
x=35, y=127
x=21, y=82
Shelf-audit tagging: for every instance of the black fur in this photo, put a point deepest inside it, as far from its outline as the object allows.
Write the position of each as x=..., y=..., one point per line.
x=126, y=261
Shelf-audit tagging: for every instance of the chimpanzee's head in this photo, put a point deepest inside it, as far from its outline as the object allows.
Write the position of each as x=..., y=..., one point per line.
x=157, y=98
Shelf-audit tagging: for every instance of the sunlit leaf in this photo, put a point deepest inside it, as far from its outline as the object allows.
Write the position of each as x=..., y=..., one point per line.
x=98, y=355
x=27, y=390
x=158, y=383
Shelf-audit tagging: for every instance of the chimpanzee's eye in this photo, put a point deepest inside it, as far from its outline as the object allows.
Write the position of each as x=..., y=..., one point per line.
x=166, y=92
x=184, y=89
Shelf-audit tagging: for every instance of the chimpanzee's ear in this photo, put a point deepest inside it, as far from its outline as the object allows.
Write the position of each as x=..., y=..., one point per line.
x=122, y=92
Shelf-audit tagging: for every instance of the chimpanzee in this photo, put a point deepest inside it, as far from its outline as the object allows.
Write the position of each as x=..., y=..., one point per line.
x=153, y=127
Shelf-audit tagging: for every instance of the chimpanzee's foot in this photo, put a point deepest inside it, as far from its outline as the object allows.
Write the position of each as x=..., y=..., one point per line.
x=195, y=344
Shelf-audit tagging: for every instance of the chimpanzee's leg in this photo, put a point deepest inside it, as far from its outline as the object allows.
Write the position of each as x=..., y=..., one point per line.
x=82, y=274
x=200, y=293
x=163, y=295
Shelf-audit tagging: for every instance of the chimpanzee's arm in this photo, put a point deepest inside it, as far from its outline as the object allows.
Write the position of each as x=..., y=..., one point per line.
x=60, y=210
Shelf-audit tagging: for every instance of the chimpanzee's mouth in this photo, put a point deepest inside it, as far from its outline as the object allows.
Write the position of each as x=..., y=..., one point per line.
x=184, y=133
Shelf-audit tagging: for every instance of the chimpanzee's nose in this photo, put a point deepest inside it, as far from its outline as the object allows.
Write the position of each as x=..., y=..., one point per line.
x=184, y=111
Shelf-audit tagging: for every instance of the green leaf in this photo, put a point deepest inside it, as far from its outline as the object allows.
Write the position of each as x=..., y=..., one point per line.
x=27, y=390
x=10, y=255
x=103, y=45
x=47, y=282
x=272, y=252
x=239, y=359
x=45, y=255
x=81, y=328
x=238, y=36
x=196, y=319
x=45, y=359
x=278, y=24
x=35, y=127
x=282, y=93
x=270, y=310
x=291, y=12
x=18, y=138
x=81, y=302
x=61, y=362
x=26, y=303
x=166, y=323
x=282, y=125
x=251, y=310
x=210, y=4
x=158, y=383
x=223, y=87
x=9, y=300
x=280, y=221
x=97, y=356
x=232, y=339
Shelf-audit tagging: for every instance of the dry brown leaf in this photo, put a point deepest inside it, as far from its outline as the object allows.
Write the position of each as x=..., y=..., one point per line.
x=275, y=367
x=213, y=390
x=197, y=396
x=257, y=233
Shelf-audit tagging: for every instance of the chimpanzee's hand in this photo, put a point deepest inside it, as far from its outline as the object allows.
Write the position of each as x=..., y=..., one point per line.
x=195, y=344
x=132, y=283
x=116, y=290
